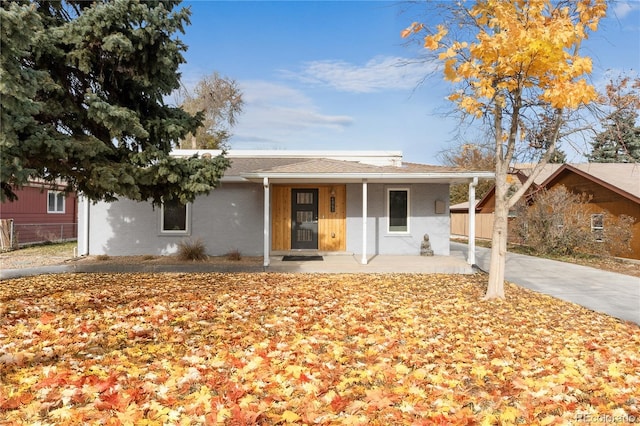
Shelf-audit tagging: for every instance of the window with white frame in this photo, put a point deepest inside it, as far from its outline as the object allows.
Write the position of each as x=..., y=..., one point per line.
x=55, y=202
x=597, y=226
x=398, y=210
x=174, y=217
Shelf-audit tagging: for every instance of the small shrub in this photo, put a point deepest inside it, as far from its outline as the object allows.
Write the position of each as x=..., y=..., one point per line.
x=558, y=222
x=618, y=233
x=148, y=257
x=192, y=250
x=103, y=257
x=234, y=255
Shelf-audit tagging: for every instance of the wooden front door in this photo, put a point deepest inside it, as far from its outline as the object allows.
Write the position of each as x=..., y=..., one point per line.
x=304, y=218
x=331, y=213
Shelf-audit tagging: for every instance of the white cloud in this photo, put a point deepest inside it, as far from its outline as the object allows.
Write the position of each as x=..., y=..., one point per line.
x=612, y=74
x=379, y=73
x=623, y=8
x=275, y=114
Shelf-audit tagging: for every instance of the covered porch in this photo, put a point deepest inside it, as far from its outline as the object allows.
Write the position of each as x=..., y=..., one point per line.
x=455, y=263
x=330, y=229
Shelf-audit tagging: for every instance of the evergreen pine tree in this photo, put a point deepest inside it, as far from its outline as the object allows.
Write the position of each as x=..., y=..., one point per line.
x=83, y=88
x=619, y=142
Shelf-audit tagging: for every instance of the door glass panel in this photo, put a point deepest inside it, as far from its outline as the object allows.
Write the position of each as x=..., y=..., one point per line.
x=304, y=235
x=304, y=216
x=304, y=198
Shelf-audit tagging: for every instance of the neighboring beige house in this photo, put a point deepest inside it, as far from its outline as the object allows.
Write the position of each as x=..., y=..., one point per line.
x=614, y=187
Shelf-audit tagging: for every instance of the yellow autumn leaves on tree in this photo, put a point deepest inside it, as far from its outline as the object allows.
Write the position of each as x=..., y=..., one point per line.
x=515, y=64
x=519, y=45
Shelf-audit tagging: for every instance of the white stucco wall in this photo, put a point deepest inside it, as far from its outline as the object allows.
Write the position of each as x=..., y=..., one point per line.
x=230, y=218
x=423, y=220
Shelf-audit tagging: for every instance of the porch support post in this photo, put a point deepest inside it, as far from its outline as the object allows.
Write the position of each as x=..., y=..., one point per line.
x=364, y=222
x=267, y=209
x=471, y=260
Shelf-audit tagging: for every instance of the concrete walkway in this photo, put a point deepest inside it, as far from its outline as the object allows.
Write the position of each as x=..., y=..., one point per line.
x=617, y=295
x=614, y=294
x=454, y=264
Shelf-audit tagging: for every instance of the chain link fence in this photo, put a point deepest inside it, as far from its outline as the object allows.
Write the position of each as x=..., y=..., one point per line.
x=14, y=235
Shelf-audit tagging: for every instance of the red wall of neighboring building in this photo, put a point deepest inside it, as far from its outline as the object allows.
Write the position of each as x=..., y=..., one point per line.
x=31, y=220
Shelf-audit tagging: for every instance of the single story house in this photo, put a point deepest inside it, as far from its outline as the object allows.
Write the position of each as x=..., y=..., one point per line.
x=280, y=202
x=612, y=187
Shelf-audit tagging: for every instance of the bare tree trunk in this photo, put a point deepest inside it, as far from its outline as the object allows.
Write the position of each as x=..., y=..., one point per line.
x=495, y=288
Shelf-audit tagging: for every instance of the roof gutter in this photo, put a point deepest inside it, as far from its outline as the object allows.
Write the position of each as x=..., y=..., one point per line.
x=372, y=176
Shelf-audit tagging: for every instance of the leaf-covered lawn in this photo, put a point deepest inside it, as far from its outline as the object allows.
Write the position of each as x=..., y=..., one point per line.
x=316, y=349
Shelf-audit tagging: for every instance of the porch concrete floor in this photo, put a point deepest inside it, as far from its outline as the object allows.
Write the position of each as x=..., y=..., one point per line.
x=455, y=263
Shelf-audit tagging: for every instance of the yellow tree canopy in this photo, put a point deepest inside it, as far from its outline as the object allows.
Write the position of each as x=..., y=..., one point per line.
x=519, y=45
x=519, y=61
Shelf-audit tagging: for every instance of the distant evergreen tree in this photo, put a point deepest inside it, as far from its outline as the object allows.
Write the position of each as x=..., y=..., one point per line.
x=619, y=141
x=558, y=157
x=82, y=95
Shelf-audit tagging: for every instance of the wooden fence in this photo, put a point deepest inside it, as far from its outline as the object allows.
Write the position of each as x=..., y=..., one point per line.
x=460, y=224
x=6, y=234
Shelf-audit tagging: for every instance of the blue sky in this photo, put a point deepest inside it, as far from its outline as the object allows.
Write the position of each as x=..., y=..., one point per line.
x=326, y=75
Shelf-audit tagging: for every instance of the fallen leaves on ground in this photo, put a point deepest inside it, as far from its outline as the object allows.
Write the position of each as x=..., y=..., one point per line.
x=241, y=349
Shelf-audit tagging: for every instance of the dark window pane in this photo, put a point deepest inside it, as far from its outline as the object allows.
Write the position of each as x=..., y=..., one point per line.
x=398, y=209
x=52, y=202
x=597, y=226
x=60, y=204
x=175, y=216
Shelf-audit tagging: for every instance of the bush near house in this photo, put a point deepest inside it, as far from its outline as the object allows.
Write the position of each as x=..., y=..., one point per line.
x=559, y=222
x=192, y=250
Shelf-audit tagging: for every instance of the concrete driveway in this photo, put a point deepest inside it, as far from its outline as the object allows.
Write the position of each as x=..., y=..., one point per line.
x=617, y=295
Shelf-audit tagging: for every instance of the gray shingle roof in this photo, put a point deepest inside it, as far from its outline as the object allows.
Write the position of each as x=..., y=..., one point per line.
x=240, y=166
x=625, y=176
x=248, y=165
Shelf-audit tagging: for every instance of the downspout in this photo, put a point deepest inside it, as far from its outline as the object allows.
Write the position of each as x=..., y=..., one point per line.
x=267, y=238
x=471, y=260
x=85, y=225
